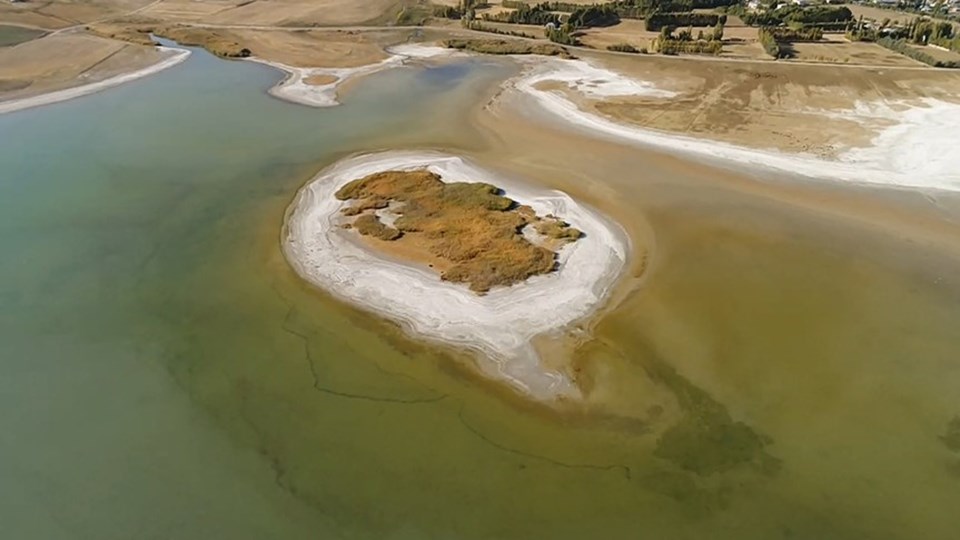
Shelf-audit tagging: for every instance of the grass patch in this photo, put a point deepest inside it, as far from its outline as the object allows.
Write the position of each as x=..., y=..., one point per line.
x=130, y=34
x=623, y=47
x=469, y=225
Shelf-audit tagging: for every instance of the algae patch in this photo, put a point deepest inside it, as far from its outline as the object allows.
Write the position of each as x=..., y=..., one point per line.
x=707, y=439
x=952, y=436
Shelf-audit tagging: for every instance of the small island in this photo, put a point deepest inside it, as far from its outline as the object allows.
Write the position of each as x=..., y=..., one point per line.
x=429, y=241
x=469, y=232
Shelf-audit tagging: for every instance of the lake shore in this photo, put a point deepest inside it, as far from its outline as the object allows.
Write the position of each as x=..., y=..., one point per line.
x=174, y=56
x=499, y=324
x=906, y=149
x=296, y=87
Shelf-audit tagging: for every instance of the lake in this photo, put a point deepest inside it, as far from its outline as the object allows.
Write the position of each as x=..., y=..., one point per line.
x=164, y=374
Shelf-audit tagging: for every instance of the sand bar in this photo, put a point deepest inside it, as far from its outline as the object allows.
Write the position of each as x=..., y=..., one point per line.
x=499, y=324
x=173, y=57
x=918, y=151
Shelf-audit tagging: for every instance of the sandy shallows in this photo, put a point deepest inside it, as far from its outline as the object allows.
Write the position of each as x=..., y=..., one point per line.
x=297, y=86
x=911, y=144
x=499, y=324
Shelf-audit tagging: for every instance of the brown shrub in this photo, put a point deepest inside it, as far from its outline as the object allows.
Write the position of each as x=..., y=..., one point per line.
x=471, y=225
x=370, y=225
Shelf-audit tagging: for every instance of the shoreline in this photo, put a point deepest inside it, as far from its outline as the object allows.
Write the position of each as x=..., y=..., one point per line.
x=500, y=324
x=293, y=88
x=926, y=165
x=175, y=56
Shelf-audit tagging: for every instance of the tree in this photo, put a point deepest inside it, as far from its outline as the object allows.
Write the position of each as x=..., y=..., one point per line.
x=718, y=32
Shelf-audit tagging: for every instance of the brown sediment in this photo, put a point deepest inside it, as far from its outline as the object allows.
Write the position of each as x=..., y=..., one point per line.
x=468, y=232
x=321, y=80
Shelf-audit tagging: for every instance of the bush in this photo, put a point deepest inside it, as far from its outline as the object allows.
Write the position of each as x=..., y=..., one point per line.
x=623, y=47
x=447, y=12
x=539, y=14
x=593, y=16
x=770, y=44
x=781, y=33
x=562, y=36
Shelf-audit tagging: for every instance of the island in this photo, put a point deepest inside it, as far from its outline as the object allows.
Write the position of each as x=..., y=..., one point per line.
x=460, y=255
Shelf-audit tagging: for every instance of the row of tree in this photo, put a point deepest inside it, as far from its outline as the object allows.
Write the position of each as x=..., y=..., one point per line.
x=565, y=7
x=770, y=43
x=799, y=15
x=656, y=21
x=920, y=30
x=538, y=14
x=786, y=33
x=545, y=13
x=684, y=41
x=628, y=9
x=903, y=47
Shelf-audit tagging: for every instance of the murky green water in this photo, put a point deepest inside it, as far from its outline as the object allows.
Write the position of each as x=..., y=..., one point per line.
x=164, y=375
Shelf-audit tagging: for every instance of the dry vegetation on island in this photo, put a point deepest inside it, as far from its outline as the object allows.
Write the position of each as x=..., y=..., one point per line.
x=468, y=231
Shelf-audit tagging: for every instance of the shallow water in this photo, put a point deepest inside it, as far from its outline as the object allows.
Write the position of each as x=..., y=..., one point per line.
x=164, y=374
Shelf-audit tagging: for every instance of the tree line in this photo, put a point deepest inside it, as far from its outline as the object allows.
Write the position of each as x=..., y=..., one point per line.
x=903, y=47
x=656, y=21
x=799, y=15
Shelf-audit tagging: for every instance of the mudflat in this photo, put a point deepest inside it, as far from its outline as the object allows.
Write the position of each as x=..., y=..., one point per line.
x=772, y=105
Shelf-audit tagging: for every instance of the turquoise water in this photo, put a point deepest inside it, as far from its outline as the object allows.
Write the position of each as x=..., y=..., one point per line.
x=163, y=374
